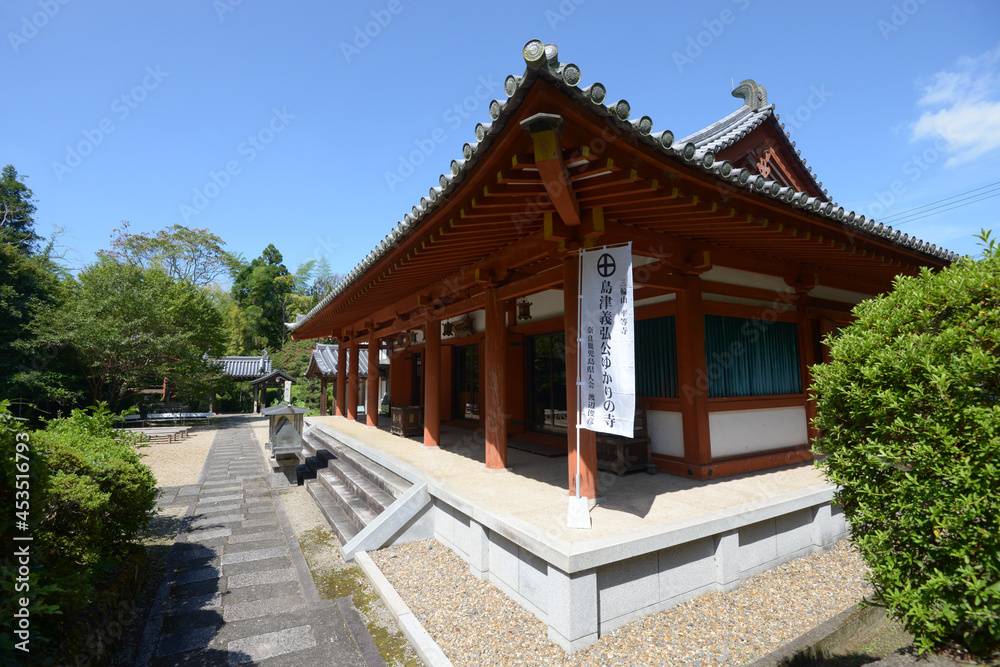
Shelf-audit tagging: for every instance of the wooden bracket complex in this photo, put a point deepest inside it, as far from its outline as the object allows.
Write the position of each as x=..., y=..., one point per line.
x=697, y=264
x=545, y=129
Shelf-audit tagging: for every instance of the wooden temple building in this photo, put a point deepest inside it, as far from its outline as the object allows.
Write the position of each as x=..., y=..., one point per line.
x=258, y=371
x=323, y=365
x=742, y=264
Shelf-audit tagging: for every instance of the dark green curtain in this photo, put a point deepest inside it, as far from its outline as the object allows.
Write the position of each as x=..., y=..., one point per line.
x=751, y=357
x=656, y=357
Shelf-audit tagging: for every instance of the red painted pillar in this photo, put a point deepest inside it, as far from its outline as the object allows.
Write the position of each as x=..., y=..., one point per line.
x=352, y=381
x=341, y=379
x=807, y=357
x=495, y=399
x=432, y=382
x=588, y=439
x=371, y=400
x=692, y=373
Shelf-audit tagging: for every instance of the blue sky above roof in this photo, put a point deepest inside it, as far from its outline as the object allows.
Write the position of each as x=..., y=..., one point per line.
x=316, y=126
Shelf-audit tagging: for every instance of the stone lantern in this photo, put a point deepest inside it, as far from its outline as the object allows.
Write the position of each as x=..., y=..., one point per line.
x=285, y=442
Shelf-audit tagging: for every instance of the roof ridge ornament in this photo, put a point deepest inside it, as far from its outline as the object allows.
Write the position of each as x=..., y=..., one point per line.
x=534, y=53
x=753, y=94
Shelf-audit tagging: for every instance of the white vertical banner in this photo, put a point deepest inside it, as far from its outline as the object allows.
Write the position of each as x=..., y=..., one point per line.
x=607, y=319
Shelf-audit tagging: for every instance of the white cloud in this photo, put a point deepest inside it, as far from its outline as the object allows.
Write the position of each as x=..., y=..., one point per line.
x=964, y=107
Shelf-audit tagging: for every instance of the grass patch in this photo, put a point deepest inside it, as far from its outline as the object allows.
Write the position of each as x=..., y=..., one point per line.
x=393, y=647
x=337, y=582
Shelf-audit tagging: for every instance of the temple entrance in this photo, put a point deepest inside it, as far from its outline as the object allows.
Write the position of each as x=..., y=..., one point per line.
x=547, y=383
x=418, y=379
x=465, y=380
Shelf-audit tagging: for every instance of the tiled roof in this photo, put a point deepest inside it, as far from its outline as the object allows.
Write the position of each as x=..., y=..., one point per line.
x=273, y=377
x=724, y=133
x=245, y=368
x=323, y=362
x=543, y=63
x=729, y=130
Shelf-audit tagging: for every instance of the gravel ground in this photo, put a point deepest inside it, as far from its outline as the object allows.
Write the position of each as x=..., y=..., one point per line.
x=476, y=624
x=179, y=463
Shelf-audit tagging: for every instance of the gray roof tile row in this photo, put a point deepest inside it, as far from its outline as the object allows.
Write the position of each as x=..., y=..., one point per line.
x=697, y=149
x=324, y=361
x=245, y=368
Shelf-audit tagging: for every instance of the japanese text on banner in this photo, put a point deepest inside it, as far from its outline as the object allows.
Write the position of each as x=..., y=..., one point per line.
x=608, y=343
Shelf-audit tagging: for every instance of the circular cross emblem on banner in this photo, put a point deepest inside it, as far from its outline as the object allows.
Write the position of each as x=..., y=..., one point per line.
x=606, y=265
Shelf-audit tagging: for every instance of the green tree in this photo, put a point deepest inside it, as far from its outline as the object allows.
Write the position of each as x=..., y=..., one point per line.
x=240, y=328
x=909, y=409
x=17, y=210
x=263, y=284
x=323, y=279
x=194, y=255
x=129, y=327
x=30, y=372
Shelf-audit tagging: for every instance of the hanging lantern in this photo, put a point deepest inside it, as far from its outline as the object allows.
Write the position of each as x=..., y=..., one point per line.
x=403, y=338
x=464, y=326
x=524, y=309
x=447, y=329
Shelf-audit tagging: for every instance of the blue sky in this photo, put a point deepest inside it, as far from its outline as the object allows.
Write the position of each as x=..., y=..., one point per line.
x=280, y=123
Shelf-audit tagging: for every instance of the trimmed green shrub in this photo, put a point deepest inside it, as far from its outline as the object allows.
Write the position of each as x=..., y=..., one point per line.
x=909, y=409
x=91, y=499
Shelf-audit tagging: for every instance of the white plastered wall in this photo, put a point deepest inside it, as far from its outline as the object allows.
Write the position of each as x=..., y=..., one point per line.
x=666, y=431
x=736, y=432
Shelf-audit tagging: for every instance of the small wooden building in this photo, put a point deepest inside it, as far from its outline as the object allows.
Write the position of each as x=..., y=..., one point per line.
x=742, y=263
x=323, y=365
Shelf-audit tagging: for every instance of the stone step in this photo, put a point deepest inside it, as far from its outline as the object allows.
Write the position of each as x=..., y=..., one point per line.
x=367, y=490
x=354, y=506
x=334, y=513
x=319, y=461
x=384, y=478
x=304, y=472
x=308, y=447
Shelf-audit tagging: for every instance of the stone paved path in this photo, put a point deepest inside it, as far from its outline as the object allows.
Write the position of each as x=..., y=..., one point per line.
x=236, y=588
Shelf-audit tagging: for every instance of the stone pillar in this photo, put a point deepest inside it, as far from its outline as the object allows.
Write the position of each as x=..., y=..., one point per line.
x=572, y=608
x=495, y=401
x=371, y=384
x=588, y=439
x=727, y=560
x=352, y=381
x=341, y=380
x=432, y=384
